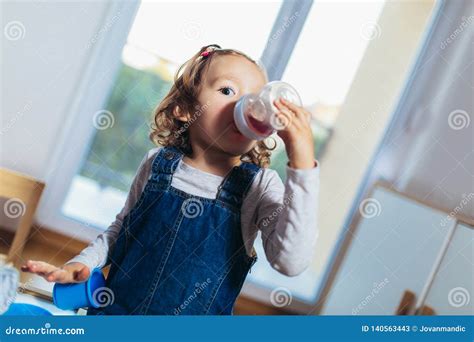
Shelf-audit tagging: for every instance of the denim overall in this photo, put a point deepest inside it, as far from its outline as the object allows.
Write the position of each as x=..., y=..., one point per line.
x=180, y=254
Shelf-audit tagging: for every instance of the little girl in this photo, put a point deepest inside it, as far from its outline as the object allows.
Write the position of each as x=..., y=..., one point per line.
x=183, y=243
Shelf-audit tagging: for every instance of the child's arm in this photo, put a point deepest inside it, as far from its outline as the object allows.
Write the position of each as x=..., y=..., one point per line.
x=288, y=214
x=96, y=254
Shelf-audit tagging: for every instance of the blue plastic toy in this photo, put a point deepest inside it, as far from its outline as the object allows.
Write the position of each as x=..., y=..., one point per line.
x=79, y=295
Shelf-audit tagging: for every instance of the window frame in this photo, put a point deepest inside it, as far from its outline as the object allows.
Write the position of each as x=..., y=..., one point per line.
x=78, y=129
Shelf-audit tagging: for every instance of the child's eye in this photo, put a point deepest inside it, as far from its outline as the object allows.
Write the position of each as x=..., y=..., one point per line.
x=227, y=91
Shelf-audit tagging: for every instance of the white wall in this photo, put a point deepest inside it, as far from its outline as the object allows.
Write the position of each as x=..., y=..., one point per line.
x=40, y=73
x=426, y=156
x=423, y=155
x=365, y=114
x=58, y=63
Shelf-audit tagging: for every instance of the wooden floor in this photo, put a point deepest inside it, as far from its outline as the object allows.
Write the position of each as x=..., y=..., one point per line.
x=56, y=249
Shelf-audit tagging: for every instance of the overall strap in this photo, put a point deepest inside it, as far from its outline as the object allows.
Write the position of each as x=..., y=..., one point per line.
x=164, y=165
x=236, y=184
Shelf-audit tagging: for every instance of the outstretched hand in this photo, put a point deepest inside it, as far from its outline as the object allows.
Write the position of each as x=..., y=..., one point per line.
x=74, y=272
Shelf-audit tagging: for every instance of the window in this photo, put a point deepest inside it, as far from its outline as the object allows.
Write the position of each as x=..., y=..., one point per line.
x=324, y=61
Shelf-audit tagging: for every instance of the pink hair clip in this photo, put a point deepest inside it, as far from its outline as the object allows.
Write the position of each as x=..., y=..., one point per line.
x=209, y=50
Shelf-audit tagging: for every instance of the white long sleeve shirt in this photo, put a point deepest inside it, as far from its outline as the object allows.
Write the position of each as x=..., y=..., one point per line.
x=286, y=214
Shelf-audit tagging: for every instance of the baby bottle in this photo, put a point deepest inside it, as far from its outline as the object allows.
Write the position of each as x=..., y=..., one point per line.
x=255, y=115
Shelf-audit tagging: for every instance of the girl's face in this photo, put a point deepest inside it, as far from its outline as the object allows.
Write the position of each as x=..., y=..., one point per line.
x=228, y=78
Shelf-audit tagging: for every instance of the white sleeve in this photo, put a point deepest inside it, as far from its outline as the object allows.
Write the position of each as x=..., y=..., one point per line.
x=287, y=217
x=97, y=252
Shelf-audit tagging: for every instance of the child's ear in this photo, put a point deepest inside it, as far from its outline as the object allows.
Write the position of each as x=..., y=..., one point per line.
x=180, y=114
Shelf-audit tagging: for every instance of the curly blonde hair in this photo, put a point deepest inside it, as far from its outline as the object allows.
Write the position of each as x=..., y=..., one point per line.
x=167, y=130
